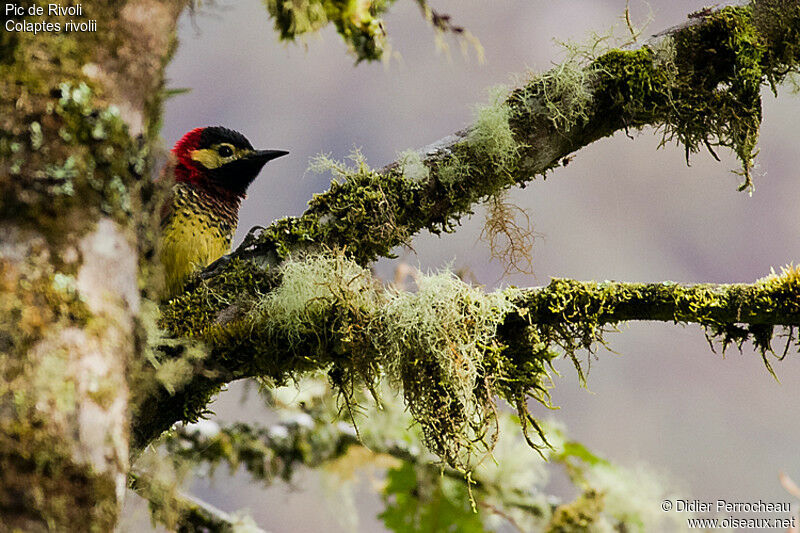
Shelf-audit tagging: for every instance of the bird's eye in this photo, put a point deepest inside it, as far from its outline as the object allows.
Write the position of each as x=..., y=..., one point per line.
x=225, y=151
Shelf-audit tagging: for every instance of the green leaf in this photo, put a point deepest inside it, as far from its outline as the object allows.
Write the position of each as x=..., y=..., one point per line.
x=428, y=502
x=579, y=451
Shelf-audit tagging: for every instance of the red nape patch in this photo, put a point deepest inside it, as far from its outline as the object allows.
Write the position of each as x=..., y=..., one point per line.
x=185, y=169
x=190, y=141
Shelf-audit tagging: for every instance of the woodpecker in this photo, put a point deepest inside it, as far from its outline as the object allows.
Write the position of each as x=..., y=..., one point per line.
x=211, y=169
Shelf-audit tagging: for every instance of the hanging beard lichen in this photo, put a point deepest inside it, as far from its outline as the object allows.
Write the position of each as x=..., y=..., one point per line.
x=439, y=344
x=435, y=342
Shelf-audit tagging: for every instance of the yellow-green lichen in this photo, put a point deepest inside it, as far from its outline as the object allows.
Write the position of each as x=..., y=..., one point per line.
x=489, y=150
x=563, y=94
x=312, y=288
x=357, y=21
x=578, y=516
x=412, y=165
x=30, y=456
x=434, y=343
x=439, y=344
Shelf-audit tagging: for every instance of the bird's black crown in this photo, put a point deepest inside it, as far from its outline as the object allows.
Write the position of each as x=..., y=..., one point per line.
x=217, y=135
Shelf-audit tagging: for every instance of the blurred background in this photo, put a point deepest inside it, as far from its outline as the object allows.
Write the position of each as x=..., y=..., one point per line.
x=711, y=426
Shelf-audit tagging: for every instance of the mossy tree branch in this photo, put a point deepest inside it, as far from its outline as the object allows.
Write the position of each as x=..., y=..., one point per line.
x=313, y=434
x=699, y=83
x=699, y=99
x=774, y=301
x=572, y=314
x=454, y=348
x=279, y=451
x=180, y=512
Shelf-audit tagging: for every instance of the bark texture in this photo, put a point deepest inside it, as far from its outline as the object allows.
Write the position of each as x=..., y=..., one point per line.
x=79, y=110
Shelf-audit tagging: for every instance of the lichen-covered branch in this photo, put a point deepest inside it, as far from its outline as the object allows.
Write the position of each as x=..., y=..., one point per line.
x=572, y=314
x=78, y=111
x=772, y=301
x=452, y=348
x=700, y=84
x=181, y=512
x=509, y=487
x=358, y=22
x=277, y=452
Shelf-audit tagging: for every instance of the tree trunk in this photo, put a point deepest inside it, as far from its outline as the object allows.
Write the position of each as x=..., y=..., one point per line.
x=79, y=110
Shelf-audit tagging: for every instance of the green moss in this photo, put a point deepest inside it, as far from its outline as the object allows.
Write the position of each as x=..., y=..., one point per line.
x=574, y=316
x=367, y=212
x=357, y=22
x=705, y=94
x=578, y=516
x=450, y=347
x=32, y=457
x=701, y=86
x=490, y=136
x=778, y=26
x=83, y=157
x=453, y=349
x=196, y=312
x=163, y=374
x=776, y=292
x=327, y=313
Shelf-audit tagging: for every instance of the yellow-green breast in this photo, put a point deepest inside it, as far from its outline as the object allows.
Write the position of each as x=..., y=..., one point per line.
x=197, y=229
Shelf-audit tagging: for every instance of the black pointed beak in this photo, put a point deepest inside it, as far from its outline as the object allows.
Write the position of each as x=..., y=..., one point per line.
x=237, y=175
x=263, y=156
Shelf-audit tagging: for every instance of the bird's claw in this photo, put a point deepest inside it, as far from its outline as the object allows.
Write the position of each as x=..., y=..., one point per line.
x=214, y=267
x=250, y=237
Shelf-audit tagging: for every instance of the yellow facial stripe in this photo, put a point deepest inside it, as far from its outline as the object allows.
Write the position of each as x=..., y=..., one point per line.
x=210, y=158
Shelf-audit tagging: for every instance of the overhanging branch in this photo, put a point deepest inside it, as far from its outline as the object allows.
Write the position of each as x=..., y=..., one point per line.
x=700, y=84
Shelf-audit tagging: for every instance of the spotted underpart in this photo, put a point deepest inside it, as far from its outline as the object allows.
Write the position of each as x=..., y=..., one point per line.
x=197, y=231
